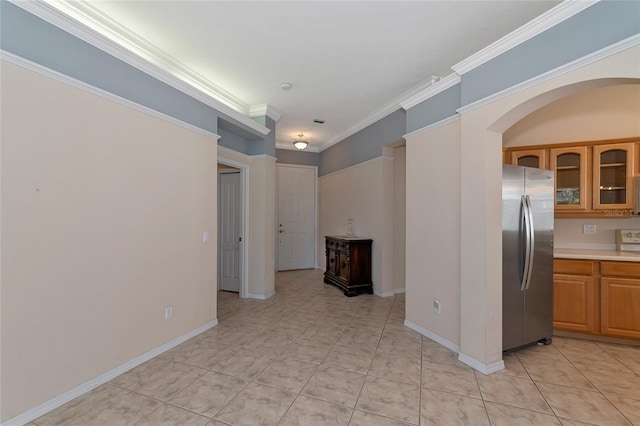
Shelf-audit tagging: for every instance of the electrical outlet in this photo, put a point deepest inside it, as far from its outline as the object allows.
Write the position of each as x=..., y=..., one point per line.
x=589, y=229
x=436, y=306
x=168, y=312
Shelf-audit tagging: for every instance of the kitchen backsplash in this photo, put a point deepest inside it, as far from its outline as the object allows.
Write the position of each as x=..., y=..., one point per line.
x=569, y=233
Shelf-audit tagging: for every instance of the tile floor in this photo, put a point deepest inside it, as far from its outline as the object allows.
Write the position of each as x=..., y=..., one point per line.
x=310, y=356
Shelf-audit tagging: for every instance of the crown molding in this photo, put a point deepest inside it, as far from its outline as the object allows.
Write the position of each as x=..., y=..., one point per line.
x=289, y=146
x=391, y=106
x=571, y=66
x=550, y=18
x=55, y=75
x=82, y=20
x=438, y=87
x=265, y=109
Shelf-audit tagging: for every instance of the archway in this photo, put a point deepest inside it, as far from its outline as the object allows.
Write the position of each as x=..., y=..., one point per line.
x=481, y=227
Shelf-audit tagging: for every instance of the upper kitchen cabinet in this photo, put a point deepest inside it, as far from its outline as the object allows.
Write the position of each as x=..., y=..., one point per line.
x=593, y=179
x=613, y=176
x=571, y=167
x=530, y=158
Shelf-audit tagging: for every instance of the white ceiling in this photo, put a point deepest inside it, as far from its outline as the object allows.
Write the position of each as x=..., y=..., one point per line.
x=346, y=60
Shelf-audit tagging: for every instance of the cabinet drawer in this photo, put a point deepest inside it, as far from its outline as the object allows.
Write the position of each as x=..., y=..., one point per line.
x=573, y=267
x=620, y=269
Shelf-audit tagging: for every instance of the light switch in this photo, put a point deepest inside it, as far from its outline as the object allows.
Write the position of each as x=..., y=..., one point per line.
x=205, y=237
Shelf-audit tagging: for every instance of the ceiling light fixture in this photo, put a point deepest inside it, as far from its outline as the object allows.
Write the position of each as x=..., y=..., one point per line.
x=300, y=143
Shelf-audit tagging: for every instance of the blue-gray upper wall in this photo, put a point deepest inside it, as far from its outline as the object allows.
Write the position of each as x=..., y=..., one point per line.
x=443, y=105
x=365, y=144
x=34, y=39
x=301, y=158
x=596, y=27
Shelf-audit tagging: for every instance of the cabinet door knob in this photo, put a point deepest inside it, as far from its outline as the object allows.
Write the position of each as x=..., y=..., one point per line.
x=331, y=260
x=342, y=265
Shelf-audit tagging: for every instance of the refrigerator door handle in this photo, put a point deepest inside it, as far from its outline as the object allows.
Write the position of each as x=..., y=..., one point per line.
x=531, y=241
x=527, y=246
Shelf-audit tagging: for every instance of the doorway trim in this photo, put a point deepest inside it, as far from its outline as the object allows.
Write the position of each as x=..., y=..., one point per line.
x=315, y=213
x=244, y=231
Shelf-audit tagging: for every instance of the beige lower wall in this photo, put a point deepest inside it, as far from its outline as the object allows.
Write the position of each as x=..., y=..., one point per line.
x=363, y=193
x=399, y=216
x=433, y=230
x=103, y=213
x=262, y=217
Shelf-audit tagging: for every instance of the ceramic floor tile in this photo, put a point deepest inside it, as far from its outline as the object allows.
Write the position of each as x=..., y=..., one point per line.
x=270, y=342
x=168, y=415
x=257, y=405
x=313, y=412
x=352, y=357
x=569, y=422
x=359, y=337
x=581, y=405
x=78, y=406
x=198, y=353
x=614, y=382
x=401, y=346
x=515, y=391
x=335, y=385
x=504, y=415
x=451, y=378
x=399, y=329
x=393, y=367
x=440, y=408
x=541, y=351
x=244, y=363
x=159, y=378
x=630, y=408
x=400, y=401
x=308, y=350
x=209, y=394
x=362, y=418
x=123, y=409
x=551, y=371
x=512, y=366
x=434, y=352
x=287, y=373
x=322, y=333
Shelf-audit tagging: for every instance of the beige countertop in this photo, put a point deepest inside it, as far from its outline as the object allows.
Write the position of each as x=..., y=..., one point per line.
x=620, y=256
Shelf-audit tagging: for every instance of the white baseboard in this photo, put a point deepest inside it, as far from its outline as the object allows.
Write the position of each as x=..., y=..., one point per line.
x=260, y=296
x=383, y=294
x=398, y=291
x=485, y=369
x=438, y=339
x=85, y=387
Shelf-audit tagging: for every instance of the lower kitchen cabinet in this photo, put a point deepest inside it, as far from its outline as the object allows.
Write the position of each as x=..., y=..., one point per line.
x=575, y=295
x=597, y=297
x=621, y=299
x=573, y=303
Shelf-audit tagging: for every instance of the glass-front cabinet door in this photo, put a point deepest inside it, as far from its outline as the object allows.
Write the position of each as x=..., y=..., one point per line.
x=613, y=176
x=570, y=165
x=530, y=158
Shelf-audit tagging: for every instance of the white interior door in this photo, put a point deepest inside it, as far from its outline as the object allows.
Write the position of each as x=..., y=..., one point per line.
x=229, y=220
x=296, y=217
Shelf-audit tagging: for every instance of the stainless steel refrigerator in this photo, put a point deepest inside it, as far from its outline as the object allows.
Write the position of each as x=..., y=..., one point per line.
x=527, y=256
